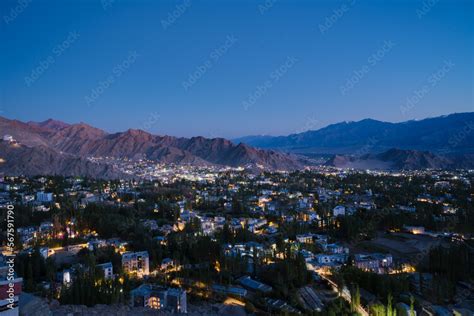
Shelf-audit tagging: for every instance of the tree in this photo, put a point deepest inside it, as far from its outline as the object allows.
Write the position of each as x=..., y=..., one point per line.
x=377, y=310
x=355, y=298
x=412, y=305
x=390, y=311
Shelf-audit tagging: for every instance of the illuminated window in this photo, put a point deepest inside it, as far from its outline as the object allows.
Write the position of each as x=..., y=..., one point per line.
x=154, y=302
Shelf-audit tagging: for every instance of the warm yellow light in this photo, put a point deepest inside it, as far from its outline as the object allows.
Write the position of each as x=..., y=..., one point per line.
x=233, y=301
x=154, y=302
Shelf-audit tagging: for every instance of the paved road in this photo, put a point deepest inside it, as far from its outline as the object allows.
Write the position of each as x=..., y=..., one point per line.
x=345, y=296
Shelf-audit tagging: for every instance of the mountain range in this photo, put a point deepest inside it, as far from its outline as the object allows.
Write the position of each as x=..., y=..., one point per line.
x=54, y=147
x=447, y=135
x=402, y=159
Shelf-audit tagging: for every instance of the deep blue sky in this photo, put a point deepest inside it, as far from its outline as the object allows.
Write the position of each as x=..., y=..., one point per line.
x=413, y=42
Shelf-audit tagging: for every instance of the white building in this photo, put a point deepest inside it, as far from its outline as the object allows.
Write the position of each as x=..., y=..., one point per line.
x=159, y=298
x=305, y=239
x=336, y=248
x=44, y=197
x=207, y=226
x=339, y=210
x=108, y=270
x=8, y=138
x=136, y=262
x=324, y=259
x=375, y=262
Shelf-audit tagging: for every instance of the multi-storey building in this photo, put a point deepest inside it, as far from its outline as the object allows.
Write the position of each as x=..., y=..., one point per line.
x=376, y=262
x=108, y=270
x=157, y=297
x=136, y=263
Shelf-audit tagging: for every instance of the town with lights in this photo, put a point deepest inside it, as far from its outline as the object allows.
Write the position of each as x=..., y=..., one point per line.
x=218, y=241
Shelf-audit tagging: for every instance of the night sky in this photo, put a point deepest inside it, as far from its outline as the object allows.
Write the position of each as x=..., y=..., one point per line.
x=234, y=68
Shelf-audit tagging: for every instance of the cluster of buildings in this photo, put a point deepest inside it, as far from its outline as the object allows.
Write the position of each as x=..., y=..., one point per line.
x=159, y=298
x=221, y=198
x=165, y=173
